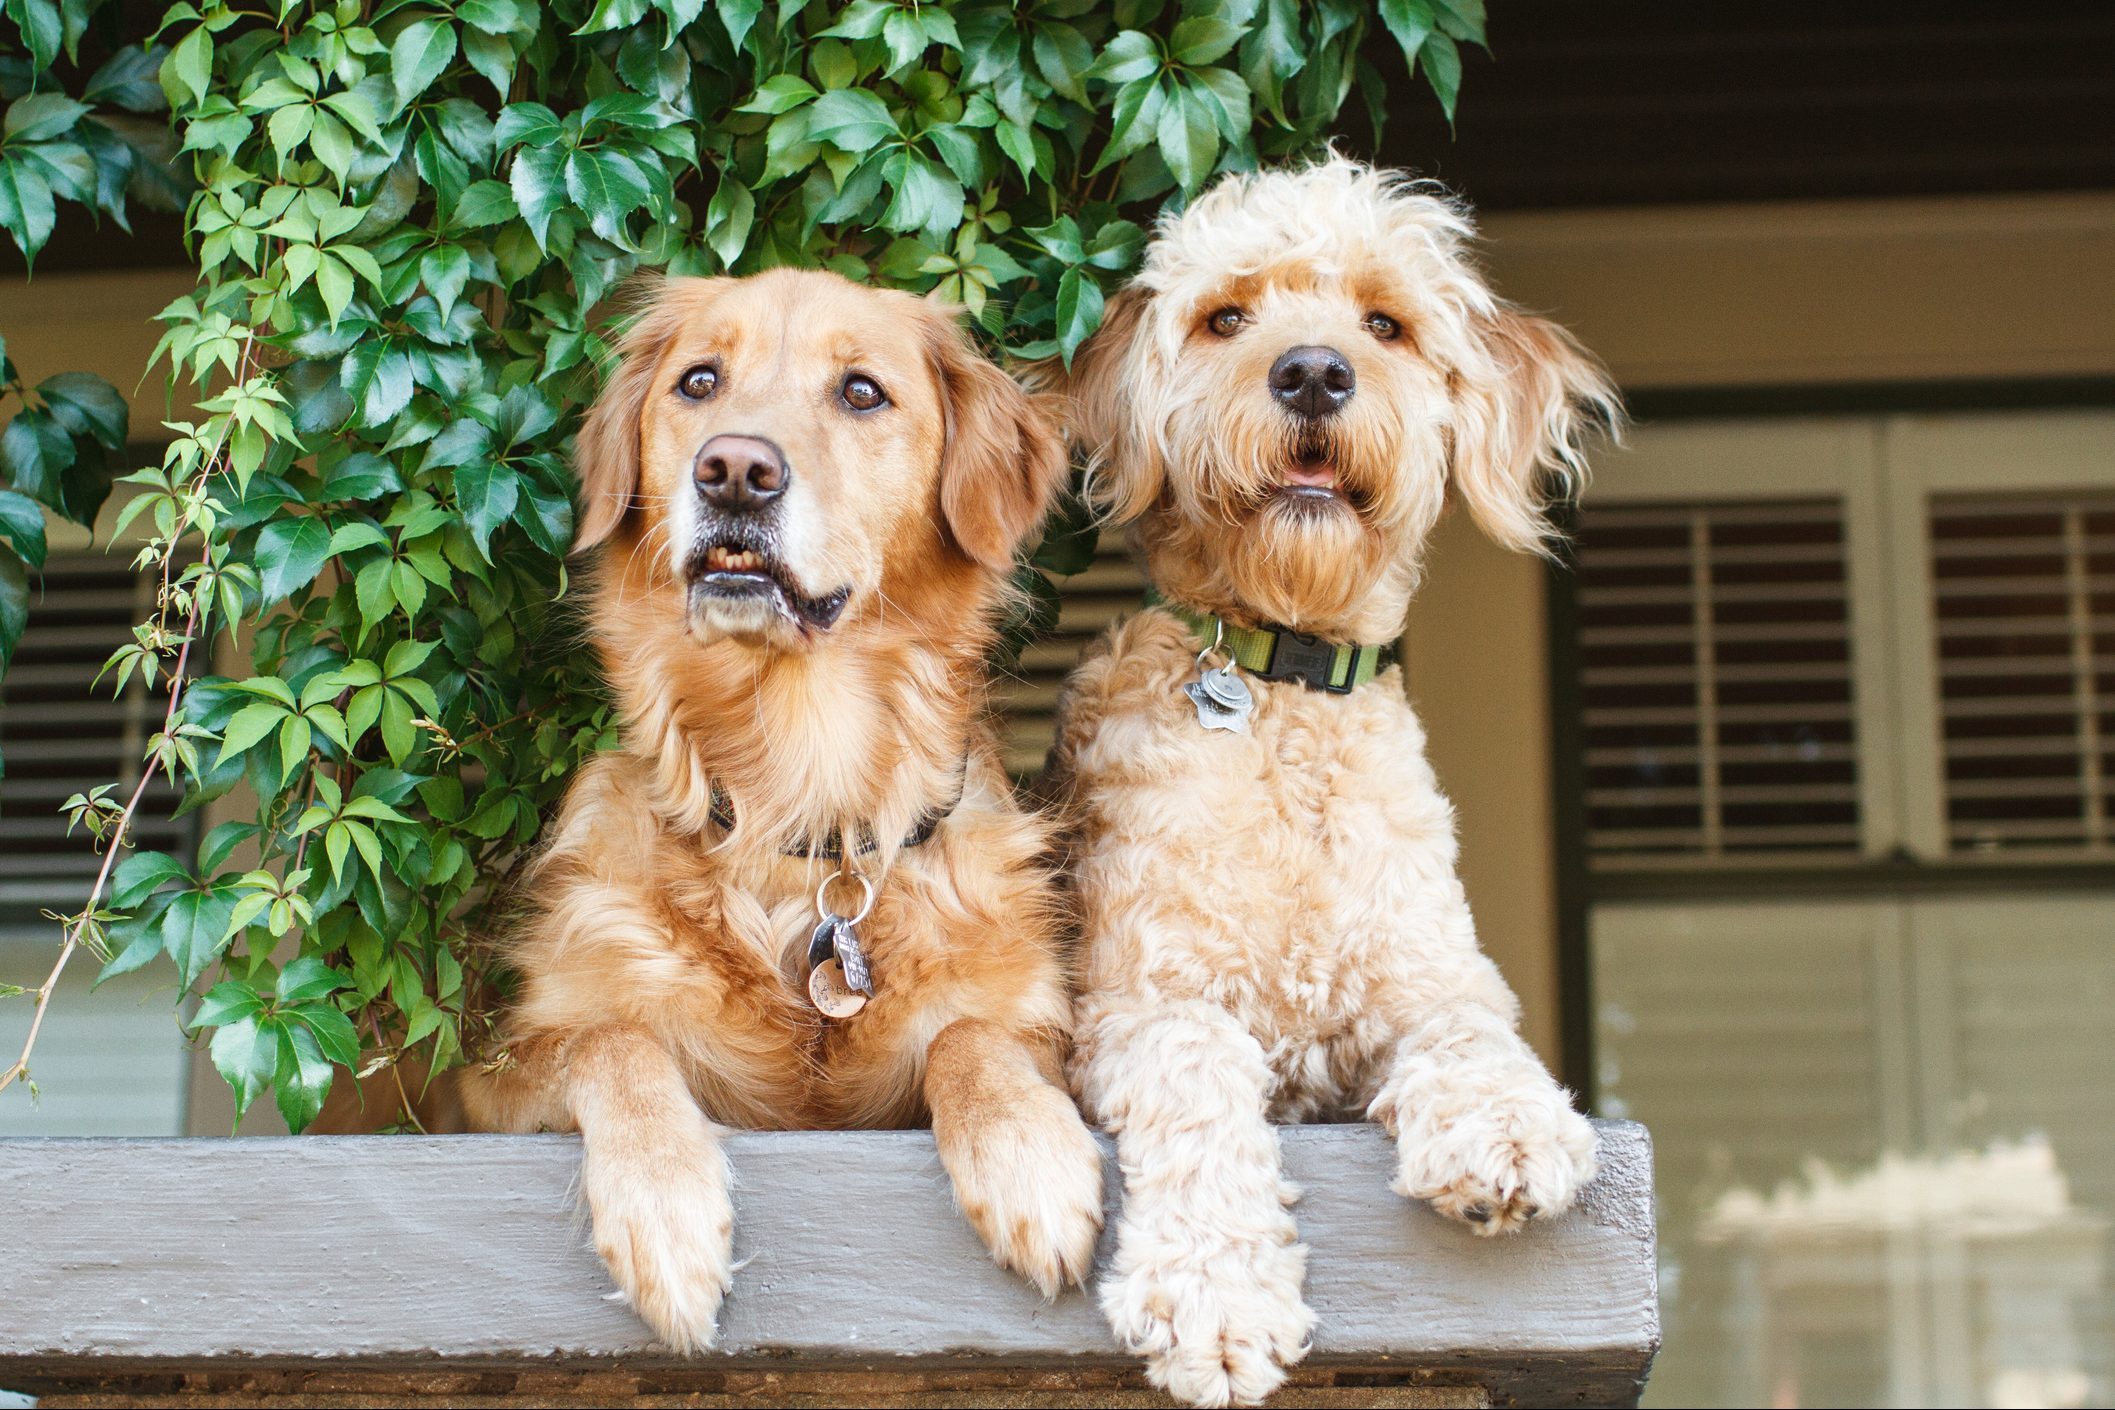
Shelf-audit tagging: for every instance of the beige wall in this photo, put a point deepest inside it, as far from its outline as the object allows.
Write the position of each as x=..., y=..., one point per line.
x=1479, y=677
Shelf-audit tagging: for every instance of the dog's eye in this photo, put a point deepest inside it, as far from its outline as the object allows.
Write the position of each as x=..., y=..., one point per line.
x=1226, y=322
x=699, y=382
x=1381, y=326
x=862, y=393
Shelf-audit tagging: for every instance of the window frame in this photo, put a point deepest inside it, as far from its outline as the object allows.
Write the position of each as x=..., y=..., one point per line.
x=1903, y=872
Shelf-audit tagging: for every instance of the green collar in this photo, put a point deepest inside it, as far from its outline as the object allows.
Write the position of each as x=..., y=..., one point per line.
x=1280, y=653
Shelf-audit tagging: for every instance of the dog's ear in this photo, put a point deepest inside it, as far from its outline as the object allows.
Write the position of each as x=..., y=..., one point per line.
x=1124, y=474
x=606, y=450
x=1003, y=462
x=1522, y=414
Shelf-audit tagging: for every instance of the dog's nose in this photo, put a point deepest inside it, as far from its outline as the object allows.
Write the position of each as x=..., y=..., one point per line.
x=1312, y=382
x=740, y=474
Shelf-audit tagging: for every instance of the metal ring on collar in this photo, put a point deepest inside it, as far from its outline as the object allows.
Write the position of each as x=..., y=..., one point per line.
x=1218, y=637
x=866, y=898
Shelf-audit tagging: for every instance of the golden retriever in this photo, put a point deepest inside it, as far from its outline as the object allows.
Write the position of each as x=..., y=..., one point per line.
x=807, y=496
x=1307, y=366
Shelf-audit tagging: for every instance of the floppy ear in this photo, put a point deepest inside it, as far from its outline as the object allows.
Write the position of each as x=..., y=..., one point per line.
x=1521, y=416
x=1124, y=470
x=1003, y=461
x=606, y=450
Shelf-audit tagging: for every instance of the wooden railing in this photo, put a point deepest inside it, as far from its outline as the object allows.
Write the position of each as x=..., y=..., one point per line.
x=350, y=1270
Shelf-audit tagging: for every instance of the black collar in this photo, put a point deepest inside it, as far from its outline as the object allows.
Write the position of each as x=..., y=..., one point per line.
x=832, y=847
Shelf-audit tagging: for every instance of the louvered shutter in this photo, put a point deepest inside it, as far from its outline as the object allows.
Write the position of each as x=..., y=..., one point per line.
x=110, y=1062
x=2023, y=592
x=1109, y=588
x=1715, y=680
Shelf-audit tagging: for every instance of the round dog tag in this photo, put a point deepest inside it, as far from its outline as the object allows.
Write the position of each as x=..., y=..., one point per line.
x=829, y=992
x=1228, y=691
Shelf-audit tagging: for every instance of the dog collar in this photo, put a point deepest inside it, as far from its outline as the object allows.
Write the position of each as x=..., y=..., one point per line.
x=831, y=846
x=1282, y=654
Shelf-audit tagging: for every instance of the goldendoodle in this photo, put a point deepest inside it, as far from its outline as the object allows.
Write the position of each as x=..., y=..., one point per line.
x=1308, y=365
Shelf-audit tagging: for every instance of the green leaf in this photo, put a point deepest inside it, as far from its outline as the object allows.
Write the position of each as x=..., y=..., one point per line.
x=22, y=525
x=1203, y=39
x=332, y=1030
x=739, y=17
x=250, y=725
x=229, y=1001
x=1130, y=56
x=486, y=493
x=26, y=206
x=308, y=977
x=445, y=270
x=607, y=186
x=538, y=184
x=728, y=219
x=39, y=117
x=14, y=604
x=1442, y=65
x=1063, y=57
x=780, y=93
x=291, y=553
x=301, y=1074
x=418, y=56
x=142, y=874
x=246, y=1054
x=187, y=74
x=1189, y=137
x=1411, y=22
x=1079, y=311
x=851, y=119
x=482, y=204
x=195, y=929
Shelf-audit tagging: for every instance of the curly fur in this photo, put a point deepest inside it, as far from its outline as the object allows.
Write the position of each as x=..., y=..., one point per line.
x=1273, y=926
x=661, y=969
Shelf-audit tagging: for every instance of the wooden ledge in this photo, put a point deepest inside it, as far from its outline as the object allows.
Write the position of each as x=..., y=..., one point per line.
x=331, y=1270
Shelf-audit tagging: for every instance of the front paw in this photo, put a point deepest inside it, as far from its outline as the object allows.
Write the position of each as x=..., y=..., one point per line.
x=1029, y=1180
x=1217, y=1325
x=667, y=1237
x=1500, y=1158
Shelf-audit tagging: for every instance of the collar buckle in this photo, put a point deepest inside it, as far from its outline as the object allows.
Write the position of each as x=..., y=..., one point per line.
x=1307, y=659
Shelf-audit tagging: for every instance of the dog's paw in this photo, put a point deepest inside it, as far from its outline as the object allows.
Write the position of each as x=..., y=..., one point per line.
x=1030, y=1184
x=1216, y=1327
x=1505, y=1158
x=667, y=1238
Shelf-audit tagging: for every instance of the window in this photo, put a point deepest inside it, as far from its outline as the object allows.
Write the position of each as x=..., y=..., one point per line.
x=1836, y=680
x=1714, y=644
x=2024, y=598
x=109, y=1062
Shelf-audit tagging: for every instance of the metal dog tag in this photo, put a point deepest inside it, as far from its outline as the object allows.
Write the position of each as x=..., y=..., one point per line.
x=835, y=947
x=853, y=959
x=1222, y=698
x=828, y=991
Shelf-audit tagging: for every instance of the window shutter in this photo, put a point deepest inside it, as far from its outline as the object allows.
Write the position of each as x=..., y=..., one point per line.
x=62, y=734
x=2024, y=606
x=110, y=1062
x=1110, y=587
x=1715, y=655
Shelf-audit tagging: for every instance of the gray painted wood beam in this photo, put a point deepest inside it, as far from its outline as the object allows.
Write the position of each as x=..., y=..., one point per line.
x=128, y=1260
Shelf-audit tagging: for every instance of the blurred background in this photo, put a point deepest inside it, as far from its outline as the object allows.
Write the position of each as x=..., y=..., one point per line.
x=1788, y=805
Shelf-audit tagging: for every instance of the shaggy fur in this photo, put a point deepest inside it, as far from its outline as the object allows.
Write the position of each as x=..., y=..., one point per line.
x=662, y=970
x=1273, y=925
